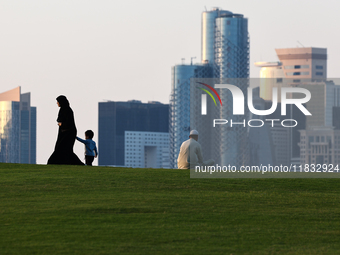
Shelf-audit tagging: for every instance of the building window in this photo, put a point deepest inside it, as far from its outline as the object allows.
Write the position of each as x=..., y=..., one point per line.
x=297, y=67
x=319, y=67
x=297, y=73
x=319, y=73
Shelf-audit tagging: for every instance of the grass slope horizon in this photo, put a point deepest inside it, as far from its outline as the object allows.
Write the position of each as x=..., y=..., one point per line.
x=105, y=210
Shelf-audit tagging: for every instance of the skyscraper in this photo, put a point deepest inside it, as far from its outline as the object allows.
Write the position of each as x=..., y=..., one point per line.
x=179, y=128
x=232, y=62
x=117, y=117
x=17, y=127
x=225, y=56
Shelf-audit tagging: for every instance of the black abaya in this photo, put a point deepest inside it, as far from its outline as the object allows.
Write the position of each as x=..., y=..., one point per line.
x=63, y=151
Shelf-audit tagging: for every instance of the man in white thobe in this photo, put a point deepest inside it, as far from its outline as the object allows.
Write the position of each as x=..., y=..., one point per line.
x=190, y=154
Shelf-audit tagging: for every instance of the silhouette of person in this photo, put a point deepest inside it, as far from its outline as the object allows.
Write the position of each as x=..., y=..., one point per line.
x=63, y=151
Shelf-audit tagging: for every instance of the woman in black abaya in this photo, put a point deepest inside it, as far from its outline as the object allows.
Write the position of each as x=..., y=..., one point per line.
x=63, y=151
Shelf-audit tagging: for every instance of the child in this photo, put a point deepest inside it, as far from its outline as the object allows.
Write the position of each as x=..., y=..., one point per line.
x=90, y=147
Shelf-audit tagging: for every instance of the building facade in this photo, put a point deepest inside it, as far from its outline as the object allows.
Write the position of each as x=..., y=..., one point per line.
x=324, y=97
x=319, y=142
x=147, y=149
x=296, y=65
x=304, y=63
x=208, y=34
x=262, y=150
x=117, y=117
x=18, y=121
x=320, y=145
x=179, y=115
x=232, y=61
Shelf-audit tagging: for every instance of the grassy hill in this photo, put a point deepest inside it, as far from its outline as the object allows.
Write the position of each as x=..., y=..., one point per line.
x=101, y=210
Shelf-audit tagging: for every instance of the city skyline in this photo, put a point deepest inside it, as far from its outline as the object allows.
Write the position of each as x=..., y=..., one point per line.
x=87, y=51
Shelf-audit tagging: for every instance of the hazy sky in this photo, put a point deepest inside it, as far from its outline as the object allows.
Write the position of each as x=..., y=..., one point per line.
x=93, y=51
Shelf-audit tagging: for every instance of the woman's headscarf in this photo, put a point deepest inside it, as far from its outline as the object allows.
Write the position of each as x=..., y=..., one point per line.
x=62, y=100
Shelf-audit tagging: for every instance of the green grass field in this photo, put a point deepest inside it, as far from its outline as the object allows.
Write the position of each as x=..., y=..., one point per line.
x=101, y=210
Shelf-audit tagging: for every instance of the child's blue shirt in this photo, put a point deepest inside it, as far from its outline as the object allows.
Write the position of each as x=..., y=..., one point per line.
x=90, y=146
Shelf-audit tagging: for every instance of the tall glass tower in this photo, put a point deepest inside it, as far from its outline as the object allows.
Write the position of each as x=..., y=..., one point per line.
x=18, y=121
x=208, y=33
x=225, y=57
x=231, y=60
x=179, y=110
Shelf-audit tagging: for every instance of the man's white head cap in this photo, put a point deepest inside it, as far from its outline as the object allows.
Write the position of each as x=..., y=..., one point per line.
x=193, y=132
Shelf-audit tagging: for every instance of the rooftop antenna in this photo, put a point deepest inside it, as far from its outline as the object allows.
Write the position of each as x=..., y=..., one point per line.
x=205, y=8
x=183, y=59
x=192, y=59
x=301, y=44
